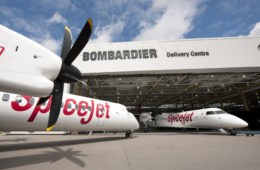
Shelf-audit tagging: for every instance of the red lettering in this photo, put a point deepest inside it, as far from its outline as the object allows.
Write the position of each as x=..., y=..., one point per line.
x=191, y=116
x=169, y=118
x=65, y=109
x=100, y=107
x=187, y=117
x=82, y=121
x=80, y=108
x=1, y=50
x=180, y=118
x=16, y=106
x=107, y=113
x=38, y=109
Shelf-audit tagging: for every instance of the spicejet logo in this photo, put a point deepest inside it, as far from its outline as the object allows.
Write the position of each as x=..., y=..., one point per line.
x=102, y=110
x=1, y=50
x=180, y=118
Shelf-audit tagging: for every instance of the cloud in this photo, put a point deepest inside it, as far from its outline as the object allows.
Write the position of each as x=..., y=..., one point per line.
x=256, y=30
x=54, y=4
x=168, y=20
x=10, y=12
x=108, y=32
x=49, y=42
x=38, y=28
x=57, y=18
x=144, y=20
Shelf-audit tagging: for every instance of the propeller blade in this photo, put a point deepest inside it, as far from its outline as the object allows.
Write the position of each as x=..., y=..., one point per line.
x=42, y=100
x=67, y=41
x=79, y=43
x=55, y=104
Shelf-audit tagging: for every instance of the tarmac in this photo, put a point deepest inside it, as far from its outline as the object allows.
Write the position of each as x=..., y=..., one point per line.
x=144, y=151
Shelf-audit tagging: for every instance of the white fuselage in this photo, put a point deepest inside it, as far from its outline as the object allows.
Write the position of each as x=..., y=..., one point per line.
x=25, y=66
x=210, y=118
x=19, y=113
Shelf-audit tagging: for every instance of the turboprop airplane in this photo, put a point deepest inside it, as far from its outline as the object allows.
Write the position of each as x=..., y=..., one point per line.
x=21, y=113
x=208, y=118
x=30, y=69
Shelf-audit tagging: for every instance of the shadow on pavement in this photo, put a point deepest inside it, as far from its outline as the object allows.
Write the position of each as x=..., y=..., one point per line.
x=46, y=144
x=49, y=156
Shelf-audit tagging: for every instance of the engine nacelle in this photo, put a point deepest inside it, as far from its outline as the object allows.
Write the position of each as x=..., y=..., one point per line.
x=25, y=66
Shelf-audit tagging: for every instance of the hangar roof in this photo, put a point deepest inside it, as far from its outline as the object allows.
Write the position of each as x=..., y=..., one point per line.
x=175, y=92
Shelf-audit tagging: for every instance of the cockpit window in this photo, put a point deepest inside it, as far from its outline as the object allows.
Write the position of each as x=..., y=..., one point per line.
x=215, y=112
x=220, y=112
x=210, y=113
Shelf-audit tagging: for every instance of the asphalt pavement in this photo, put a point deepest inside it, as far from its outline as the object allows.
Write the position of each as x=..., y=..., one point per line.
x=144, y=151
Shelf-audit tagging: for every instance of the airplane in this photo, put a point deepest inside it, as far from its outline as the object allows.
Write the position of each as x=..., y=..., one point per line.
x=21, y=113
x=30, y=69
x=208, y=118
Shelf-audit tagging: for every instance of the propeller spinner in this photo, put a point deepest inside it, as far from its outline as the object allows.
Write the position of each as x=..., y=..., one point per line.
x=68, y=72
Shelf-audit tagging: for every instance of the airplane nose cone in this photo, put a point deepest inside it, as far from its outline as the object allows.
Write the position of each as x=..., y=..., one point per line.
x=231, y=121
x=136, y=124
x=243, y=123
x=239, y=123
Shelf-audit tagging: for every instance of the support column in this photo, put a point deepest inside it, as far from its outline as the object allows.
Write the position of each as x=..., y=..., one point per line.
x=243, y=98
x=221, y=103
x=79, y=89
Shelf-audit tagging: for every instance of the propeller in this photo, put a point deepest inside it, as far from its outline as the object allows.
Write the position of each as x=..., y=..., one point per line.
x=68, y=72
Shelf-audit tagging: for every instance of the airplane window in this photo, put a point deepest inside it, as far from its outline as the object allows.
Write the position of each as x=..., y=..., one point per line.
x=18, y=99
x=89, y=108
x=83, y=107
x=210, y=113
x=62, y=104
x=69, y=106
x=31, y=100
x=220, y=112
x=5, y=97
x=77, y=106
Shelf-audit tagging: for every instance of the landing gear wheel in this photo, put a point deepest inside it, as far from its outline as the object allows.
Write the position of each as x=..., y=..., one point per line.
x=129, y=134
x=146, y=129
x=232, y=132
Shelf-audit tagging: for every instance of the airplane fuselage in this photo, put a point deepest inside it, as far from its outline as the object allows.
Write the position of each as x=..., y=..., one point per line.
x=20, y=113
x=210, y=118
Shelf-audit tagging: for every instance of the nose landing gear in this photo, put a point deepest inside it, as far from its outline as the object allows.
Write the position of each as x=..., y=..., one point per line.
x=129, y=134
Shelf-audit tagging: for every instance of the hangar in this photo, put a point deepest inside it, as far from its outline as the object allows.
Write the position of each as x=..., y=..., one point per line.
x=170, y=76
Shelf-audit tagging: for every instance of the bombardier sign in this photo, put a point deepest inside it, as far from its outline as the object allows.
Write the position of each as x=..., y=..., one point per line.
x=119, y=55
x=167, y=57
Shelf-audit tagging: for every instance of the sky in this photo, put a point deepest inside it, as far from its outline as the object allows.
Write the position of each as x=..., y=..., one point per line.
x=130, y=20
